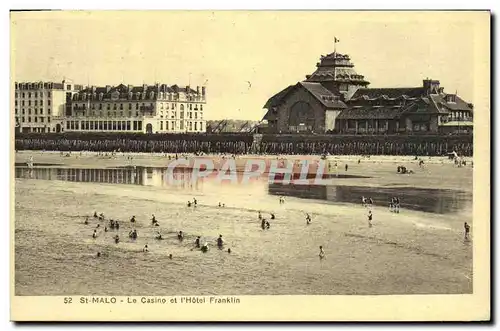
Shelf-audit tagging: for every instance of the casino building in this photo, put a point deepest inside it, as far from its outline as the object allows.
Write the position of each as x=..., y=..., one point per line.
x=336, y=99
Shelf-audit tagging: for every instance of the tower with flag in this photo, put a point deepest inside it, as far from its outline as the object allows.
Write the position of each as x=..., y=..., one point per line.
x=335, y=41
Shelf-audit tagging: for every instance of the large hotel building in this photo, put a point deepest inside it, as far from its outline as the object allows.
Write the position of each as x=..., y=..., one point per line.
x=64, y=107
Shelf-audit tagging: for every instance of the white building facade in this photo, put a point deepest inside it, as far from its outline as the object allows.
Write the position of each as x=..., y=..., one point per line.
x=41, y=106
x=155, y=108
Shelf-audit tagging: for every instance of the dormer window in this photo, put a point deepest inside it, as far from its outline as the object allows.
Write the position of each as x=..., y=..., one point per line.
x=451, y=98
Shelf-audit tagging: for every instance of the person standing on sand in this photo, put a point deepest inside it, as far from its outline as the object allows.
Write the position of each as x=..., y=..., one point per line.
x=94, y=235
x=467, y=231
x=321, y=254
x=370, y=218
x=346, y=167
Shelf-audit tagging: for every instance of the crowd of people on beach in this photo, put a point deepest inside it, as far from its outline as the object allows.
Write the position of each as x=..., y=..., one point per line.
x=240, y=144
x=133, y=233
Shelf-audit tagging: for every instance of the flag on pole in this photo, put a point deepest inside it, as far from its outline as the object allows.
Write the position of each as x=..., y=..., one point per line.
x=336, y=40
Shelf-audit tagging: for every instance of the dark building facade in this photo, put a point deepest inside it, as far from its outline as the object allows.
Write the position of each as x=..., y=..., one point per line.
x=337, y=99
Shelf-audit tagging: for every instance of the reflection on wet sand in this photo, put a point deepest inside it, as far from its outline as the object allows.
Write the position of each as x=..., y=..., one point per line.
x=427, y=200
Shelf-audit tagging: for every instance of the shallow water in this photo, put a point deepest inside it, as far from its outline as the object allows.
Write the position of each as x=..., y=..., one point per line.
x=411, y=252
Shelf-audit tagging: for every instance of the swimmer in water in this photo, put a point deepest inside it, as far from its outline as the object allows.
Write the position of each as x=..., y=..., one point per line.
x=260, y=216
x=86, y=221
x=98, y=254
x=94, y=235
x=98, y=225
x=117, y=225
x=145, y=249
x=195, y=202
x=263, y=224
x=268, y=225
x=105, y=229
x=180, y=236
x=204, y=248
x=220, y=204
x=158, y=236
x=170, y=256
x=117, y=239
x=132, y=220
x=321, y=253
x=95, y=214
x=197, y=242
x=229, y=250
x=272, y=216
x=189, y=203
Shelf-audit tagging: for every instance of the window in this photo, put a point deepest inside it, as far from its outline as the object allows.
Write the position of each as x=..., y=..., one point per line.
x=48, y=111
x=29, y=111
x=91, y=125
x=195, y=115
x=114, y=106
x=29, y=102
x=36, y=111
x=129, y=106
x=121, y=114
x=48, y=102
x=190, y=115
x=173, y=125
x=195, y=126
x=29, y=94
x=24, y=112
x=108, y=106
x=48, y=119
x=22, y=102
x=16, y=111
x=139, y=125
x=136, y=106
x=119, y=125
x=128, y=125
x=182, y=125
x=166, y=125
x=161, y=125
x=36, y=119
x=16, y=103
x=136, y=114
x=23, y=95
x=36, y=95
x=16, y=94
x=41, y=111
x=67, y=125
x=100, y=106
x=182, y=107
x=68, y=87
x=190, y=126
x=100, y=125
x=41, y=119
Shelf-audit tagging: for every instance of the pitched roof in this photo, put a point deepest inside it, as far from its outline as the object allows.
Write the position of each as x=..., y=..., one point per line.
x=377, y=113
x=277, y=98
x=411, y=92
x=459, y=104
x=327, y=98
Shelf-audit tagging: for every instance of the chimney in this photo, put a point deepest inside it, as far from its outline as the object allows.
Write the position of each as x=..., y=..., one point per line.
x=188, y=89
x=441, y=90
x=130, y=87
x=108, y=88
x=144, y=87
x=198, y=90
x=203, y=90
x=431, y=86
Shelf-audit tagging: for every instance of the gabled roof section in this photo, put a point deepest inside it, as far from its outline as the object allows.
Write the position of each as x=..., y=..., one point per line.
x=327, y=98
x=276, y=99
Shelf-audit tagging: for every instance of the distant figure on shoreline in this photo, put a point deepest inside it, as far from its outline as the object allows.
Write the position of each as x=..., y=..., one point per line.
x=145, y=249
x=132, y=220
x=272, y=216
x=180, y=236
x=321, y=253
x=94, y=235
x=467, y=231
x=308, y=219
x=204, y=248
x=86, y=221
x=197, y=242
x=370, y=218
x=220, y=242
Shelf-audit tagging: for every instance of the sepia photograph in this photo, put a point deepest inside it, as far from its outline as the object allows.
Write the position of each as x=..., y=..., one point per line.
x=214, y=160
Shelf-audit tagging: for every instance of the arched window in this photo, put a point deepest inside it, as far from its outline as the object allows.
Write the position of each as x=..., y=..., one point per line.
x=302, y=116
x=182, y=106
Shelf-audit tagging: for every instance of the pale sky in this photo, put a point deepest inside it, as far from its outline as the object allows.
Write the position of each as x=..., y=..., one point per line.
x=226, y=49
